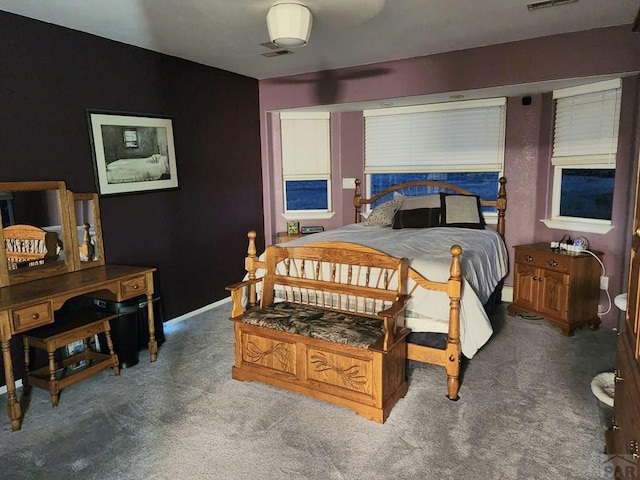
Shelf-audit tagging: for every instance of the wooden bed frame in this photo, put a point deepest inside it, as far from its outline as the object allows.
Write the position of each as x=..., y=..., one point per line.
x=449, y=357
x=446, y=351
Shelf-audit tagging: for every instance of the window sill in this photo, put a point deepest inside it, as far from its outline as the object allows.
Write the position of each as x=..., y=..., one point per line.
x=578, y=225
x=302, y=215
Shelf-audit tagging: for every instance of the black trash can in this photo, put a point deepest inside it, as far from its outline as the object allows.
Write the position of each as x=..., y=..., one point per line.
x=124, y=329
x=143, y=321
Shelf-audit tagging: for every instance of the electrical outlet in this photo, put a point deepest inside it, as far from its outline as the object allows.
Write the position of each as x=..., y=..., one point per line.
x=348, y=183
x=604, y=283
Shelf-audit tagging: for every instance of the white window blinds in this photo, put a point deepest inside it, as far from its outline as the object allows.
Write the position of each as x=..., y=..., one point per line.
x=586, y=124
x=448, y=136
x=305, y=144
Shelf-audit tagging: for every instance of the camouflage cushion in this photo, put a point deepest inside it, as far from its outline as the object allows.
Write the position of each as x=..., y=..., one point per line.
x=336, y=327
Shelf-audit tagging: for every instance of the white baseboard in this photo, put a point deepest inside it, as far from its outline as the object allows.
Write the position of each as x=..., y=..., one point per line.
x=3, y=389
x=507, y=293
x=198, y=311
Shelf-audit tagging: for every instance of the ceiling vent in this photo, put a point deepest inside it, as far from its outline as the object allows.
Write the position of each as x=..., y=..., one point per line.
x=548, y=3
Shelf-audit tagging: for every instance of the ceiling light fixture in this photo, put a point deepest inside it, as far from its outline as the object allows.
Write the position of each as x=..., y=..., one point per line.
x=289, y=24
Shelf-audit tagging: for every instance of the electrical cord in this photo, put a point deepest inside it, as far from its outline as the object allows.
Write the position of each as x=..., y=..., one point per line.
x=603, y=270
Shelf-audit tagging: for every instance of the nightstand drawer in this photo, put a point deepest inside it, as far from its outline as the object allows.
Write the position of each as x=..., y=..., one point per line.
x=133, y=287
x=550, y=260
x=31, y=317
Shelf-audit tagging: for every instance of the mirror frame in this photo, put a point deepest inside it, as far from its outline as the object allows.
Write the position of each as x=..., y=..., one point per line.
x=92, y=199
x=70, y=254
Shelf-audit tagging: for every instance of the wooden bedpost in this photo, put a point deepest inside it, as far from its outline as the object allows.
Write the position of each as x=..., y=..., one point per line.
x=501, y=205
x=454, y=290
x=251, y=267
x=356, y=201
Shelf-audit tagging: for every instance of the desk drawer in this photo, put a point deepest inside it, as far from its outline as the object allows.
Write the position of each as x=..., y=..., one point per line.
x=30, y=317
x=133, y=287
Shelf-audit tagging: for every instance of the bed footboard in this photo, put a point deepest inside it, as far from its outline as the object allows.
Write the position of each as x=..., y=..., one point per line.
x=450, y=356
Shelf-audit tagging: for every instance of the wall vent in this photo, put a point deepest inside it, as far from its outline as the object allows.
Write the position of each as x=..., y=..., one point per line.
x=548, y=3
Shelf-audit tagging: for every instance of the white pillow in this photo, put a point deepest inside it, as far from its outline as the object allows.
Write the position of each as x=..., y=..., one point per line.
x=383, y=213
x=423, y=201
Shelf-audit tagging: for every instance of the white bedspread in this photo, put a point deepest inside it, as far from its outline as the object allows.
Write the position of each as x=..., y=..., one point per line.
x=137, y=169
x=484, y=263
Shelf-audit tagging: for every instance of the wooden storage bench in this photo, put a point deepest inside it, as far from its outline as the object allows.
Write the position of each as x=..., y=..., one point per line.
x=326, y=325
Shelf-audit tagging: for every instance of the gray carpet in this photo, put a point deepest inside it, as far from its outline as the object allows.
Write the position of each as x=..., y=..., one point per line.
x=526, y=412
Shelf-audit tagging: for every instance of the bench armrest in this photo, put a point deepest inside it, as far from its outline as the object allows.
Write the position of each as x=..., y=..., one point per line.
x=237, y=290
x=390, y=318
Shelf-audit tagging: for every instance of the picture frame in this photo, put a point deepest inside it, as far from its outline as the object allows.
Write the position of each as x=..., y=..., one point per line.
x=293, y=228
x=132, y=153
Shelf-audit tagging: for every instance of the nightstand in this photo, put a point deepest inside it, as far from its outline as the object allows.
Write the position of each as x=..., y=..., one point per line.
x=563, y=287
x=282, y=237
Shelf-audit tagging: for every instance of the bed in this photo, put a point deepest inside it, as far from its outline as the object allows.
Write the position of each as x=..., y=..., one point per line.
x=138, y=169
x=407, y=222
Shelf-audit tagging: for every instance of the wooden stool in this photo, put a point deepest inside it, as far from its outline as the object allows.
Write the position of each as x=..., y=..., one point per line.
x=74, y=326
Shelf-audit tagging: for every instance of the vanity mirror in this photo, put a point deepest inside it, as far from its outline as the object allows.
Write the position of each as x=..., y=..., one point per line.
x=85, y=215
x=36, y=234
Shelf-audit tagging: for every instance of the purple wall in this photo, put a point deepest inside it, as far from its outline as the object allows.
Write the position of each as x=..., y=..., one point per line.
x=590, y=53
x=51, y=75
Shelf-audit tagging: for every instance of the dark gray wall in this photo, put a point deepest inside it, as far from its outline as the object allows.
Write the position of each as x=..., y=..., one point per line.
x=196, y=235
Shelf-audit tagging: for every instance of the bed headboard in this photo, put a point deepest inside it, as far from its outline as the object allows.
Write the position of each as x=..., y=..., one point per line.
x=430, y=187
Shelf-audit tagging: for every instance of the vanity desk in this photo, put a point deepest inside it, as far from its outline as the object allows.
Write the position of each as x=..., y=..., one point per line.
x=37, y=279
x=32, y=304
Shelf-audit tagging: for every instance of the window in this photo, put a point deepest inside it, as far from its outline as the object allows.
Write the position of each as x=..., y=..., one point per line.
x=455, y=142
x=306, y=165
x=484, y=184
x=130, y=138
x=584, y=156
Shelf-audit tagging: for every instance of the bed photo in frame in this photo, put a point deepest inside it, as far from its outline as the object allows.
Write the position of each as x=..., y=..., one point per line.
x=132, y=153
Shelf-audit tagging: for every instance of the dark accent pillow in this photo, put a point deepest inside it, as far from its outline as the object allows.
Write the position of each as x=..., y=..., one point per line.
x=461, y=211
x=416, y=218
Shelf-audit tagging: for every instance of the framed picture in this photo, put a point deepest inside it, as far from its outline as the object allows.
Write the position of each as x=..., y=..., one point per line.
x=293, y=228
x=132, y=153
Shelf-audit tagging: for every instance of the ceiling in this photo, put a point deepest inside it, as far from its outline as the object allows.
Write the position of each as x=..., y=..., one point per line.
x=228, y=34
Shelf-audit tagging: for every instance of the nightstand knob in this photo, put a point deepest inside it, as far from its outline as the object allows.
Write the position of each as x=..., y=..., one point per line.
x=552, y=263
x=633, y=449
x=35, y=316
x=529, y=258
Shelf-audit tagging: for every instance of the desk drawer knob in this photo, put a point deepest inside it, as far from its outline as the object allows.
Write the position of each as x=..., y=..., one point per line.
x=529, y=258
x=35, y=316
x=552, y=263
x=135, y=287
